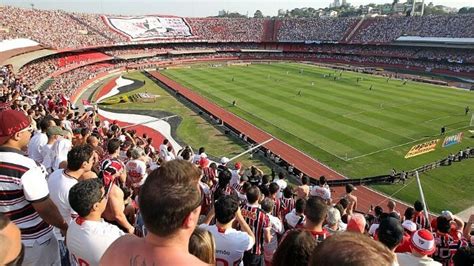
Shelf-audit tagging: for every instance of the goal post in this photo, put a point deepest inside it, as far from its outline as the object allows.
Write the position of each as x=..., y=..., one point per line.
x=472, y=121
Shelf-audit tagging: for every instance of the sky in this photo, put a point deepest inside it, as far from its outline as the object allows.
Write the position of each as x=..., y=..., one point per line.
x=197, y=8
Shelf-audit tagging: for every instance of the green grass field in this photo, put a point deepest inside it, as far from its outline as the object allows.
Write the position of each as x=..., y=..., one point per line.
x=357, y=131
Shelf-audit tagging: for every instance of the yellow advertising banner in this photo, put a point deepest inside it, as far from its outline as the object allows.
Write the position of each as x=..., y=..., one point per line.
x=422, y=148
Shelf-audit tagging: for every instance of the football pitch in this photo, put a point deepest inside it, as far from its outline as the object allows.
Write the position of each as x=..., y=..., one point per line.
x=358, y=124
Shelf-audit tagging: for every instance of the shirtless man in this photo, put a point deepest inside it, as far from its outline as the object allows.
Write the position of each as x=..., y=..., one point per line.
x=170, y=203
x=351, y=198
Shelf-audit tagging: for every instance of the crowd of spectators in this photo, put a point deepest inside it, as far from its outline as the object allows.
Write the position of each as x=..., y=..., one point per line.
x=315, y=29
x=388, y=29
x=59, y=29
x=79, y=190
x=227, y=29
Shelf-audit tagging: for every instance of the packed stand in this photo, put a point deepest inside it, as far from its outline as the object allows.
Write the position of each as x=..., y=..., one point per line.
x=99, y=194
x=315, y=29
x=54, y=28
x=227, y=29
x=388, y=29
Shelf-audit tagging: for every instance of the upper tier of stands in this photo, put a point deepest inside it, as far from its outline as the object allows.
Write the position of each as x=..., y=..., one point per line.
x=60, y=30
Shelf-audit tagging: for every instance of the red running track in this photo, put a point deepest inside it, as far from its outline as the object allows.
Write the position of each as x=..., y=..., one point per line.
x=309, y=166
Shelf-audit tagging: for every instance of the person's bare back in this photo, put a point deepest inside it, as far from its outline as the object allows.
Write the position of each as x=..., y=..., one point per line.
x=131, y=250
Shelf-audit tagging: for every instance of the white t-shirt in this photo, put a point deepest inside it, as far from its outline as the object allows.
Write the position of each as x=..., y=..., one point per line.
x=292, y=218
x=136, y=172
x=321, y=192
x=407, y=259
x=59, y=185
x=47, y=153
x=373, y=228
x=35, y=145
x=276, y=228
x=88, y=240
x=235, y=179
x=282, y=185
x=230, y=245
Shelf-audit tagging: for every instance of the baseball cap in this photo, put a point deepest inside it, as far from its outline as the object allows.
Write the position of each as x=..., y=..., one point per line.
x=238, y=165
x=391, y=227
x=55, y=130
x=423, y=242
x=447, y=214
x=409, y=225
x=224, y=160
x=356, y=223
x=11, y=122
x=334, y=216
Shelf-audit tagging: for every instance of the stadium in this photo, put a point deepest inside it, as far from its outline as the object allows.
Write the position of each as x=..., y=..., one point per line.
x=374, y=111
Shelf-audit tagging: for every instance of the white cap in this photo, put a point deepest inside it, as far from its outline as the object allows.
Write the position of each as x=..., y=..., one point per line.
x=409, y=225
x=122, y=138
x=224, y=160
x=447, y=214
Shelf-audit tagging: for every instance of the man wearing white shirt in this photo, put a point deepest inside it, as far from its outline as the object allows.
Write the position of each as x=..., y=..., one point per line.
x=276, y=229
x=322, y=191
x=280, y=180
x=230, y=243
x=39, y=139
x=89, y=235
x=296, y=218
x=136, y=168
x=80, y=161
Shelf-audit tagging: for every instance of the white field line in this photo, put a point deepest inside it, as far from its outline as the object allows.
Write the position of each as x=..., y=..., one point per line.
x=396, y=146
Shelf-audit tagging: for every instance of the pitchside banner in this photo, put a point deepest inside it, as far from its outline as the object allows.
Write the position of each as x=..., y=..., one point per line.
x=143, y=28
x=451, y=140
x=422, y=148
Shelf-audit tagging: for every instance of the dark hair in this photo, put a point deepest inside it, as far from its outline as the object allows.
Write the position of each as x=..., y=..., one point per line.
x=288, y=192
x=165, y=141
x=442, y=224
x=201, y=150
x=409, y=212
x=295, y=249
x=418, y=206
x=225, y=209
x=300, y=205
x=281, y=175
x=84, y=194
x=169, y=195
x=44, y=124
x=464, y=256
x=224, y=177
x=267, y=205
x=78, y=155
x=322, y=180
x=316, y=210
x=351, y=249
x=273, y=188
x=265, y=179
x=253, y=194
x=378, y=210
x=304, y=180
x=344, y=203
x=113, y=145
x=85, y=131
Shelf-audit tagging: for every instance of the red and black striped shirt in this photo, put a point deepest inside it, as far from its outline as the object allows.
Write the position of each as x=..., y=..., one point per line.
x=258, y=220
